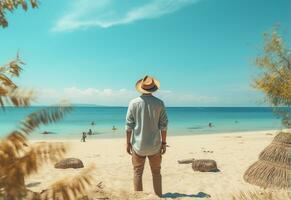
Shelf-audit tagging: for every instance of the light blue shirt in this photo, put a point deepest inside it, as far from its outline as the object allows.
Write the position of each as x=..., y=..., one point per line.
x=146, y=117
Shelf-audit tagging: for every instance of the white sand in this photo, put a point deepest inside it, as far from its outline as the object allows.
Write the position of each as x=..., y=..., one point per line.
x=233, y=152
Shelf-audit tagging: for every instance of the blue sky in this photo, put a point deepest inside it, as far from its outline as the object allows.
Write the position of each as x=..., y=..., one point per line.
x=90, y=51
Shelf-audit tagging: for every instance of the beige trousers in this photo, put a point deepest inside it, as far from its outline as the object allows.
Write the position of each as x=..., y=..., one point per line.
x=138, y=167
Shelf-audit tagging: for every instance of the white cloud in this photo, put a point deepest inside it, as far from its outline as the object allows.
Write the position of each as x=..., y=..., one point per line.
x=186, y=99
x=107, y=13
x=116, y=97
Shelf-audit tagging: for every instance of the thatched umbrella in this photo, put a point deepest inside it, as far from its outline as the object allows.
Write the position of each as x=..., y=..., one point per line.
x=273, y=169
x=260, y=195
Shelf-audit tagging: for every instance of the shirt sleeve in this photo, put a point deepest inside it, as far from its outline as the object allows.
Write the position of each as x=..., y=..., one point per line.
x=163, y=122
x=130, y=121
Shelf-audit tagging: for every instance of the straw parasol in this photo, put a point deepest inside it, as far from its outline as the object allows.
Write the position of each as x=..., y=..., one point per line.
x=273, y=169
x=259, y=195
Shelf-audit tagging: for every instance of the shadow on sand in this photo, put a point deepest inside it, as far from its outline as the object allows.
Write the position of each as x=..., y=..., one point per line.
x=179, y=195
x=33, y=184
x=215, y=170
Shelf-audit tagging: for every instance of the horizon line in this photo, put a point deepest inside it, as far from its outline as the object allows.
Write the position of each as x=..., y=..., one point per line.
x=112, y=106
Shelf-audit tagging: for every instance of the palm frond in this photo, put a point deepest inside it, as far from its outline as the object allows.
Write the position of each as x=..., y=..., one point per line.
x=36, y=156
x=15, y=97
x=6, y=81
x=11, y=147
x=10, y=94
x=15, y=170
x=71, y=187
x=10, y=5
x=43, y=117
x=15, y=145
x=13, y=67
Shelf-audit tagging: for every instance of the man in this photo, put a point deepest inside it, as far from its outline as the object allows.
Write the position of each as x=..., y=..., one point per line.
x=146, y=132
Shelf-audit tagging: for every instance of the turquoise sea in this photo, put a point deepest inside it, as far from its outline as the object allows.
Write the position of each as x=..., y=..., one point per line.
x=182, y=121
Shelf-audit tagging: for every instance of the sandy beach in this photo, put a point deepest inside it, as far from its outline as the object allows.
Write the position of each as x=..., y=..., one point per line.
x=233, y=152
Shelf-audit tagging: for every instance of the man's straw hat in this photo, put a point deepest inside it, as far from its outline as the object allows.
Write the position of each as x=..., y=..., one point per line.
x=147, y=85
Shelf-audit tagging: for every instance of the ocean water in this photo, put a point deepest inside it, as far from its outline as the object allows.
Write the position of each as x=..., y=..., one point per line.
x=182, y=121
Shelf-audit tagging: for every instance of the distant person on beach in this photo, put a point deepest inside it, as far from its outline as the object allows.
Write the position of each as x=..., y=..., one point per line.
x=114, y=128
x=84, y=135
x=146, y=132
x=90, y=132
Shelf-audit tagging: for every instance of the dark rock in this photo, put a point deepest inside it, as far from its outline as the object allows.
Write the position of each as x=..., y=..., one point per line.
x=205, y=165
x=69, y=163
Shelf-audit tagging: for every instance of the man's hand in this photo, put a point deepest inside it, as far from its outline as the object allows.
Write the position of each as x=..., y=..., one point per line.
x=163, y=148
x=129, y=148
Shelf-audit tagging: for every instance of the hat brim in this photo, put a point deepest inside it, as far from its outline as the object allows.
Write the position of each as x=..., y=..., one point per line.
x=138, y=87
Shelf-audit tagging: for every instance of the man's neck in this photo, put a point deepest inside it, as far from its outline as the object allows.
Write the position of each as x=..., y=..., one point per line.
x=147, y=95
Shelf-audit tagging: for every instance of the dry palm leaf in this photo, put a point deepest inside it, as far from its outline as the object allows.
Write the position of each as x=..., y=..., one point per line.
x=11, y=147
x=18, y=159
x=5, y=81
x=13, y=68
x=15, y=168
x=11, y=5
x=13, y=174
x=10, y=94
x=36, y=156
x=70, y=187
x=43, y=117
x=14, y=145
x=15, y=96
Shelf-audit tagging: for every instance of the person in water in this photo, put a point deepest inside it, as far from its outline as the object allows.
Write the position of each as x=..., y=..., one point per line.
x=90, y=132
x=210, y=124
x=114, y=128
x=84, y=135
